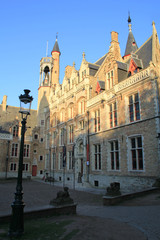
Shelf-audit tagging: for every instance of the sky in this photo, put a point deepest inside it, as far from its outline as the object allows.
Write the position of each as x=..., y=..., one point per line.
x=82, y=26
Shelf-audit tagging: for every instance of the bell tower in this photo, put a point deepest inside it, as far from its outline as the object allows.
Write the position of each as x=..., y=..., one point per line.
x=46, y=65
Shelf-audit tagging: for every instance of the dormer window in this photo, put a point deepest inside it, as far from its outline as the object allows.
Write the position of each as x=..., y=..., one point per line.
x=133, y=68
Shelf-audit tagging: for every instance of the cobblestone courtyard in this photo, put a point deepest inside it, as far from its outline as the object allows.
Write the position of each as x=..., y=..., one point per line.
x=139, y=216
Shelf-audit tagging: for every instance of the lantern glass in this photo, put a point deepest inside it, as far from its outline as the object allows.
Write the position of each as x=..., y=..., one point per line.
x=25, y=102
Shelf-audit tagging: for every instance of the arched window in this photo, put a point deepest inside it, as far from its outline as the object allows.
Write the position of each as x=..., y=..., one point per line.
x=81, y=106
x=15, y=130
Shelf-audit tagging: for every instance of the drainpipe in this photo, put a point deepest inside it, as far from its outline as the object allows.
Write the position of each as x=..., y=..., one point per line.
x=88, y=150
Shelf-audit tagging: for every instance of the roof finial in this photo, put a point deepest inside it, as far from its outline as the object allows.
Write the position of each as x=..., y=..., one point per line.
x=56, y=36
x=129, y=22
x=83, y=55
x=129, y=19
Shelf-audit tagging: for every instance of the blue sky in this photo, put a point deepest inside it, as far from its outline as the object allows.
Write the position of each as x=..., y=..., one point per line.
x=85, y=25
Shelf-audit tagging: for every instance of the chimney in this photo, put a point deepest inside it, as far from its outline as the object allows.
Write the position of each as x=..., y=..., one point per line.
x=115, y=48
x=4, y=103
x=114, y=36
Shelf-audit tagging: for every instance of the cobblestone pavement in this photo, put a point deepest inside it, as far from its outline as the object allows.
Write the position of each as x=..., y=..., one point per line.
x=143, y=213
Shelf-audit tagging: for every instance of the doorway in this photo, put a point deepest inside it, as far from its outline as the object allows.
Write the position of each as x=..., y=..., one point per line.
x=34, y=170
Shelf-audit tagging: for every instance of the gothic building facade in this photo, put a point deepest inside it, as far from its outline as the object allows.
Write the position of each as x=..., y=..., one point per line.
x=102, y=123
x=10, y=137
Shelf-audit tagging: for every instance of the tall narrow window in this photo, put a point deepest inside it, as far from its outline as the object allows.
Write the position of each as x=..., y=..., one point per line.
x=70, y=111
x=54, y=139
x=97, y=156
x=62, y=136
x=136, y=153
x=71, y=134
x=134, y=108
x=110, y=80
x=81, y=107
x=15, y=131
x=61, y=160
x=113, y=114
x=14, y=152
x=114, y=155
x=26, y=150
x=26, y=167
x=70, y=160
x=97, y=120
x=53, y=161
x=13, y=167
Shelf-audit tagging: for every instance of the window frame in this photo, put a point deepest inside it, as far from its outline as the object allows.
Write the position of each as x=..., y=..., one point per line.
x=26, y=151
x=134, y=107
x=14, y=150
x=113, y=115
x=97, y=120
x=136, y=154
x=97, y=157
x=114, y=155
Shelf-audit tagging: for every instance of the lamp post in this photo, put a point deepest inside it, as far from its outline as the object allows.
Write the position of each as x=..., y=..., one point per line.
x=17, y=222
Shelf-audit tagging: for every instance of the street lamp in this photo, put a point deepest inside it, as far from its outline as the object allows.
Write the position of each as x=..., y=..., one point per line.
x=17, y=222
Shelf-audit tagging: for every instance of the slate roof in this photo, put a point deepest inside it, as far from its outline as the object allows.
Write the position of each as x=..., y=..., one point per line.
x=100, y=61
x=4, y=131
x=122, y=65
x=101, y=84
x=56, y=47
x=145, y=52
x=131, y=44
x=90, y=65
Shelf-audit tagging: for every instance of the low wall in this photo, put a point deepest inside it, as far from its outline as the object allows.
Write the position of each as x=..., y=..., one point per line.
x=45, y=211
x=107, y=200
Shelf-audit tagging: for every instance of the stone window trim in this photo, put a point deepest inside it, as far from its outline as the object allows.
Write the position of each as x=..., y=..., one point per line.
x=97, y=127
x=13, y=166
x=97, y=157
x=15, y=130
x=36, y=136
x=113, y=114
x=110, y=80
x=41, y=157
x=14, y=149
x=136, y=161
x=26, y=151
x=133, y=107
x=114, y=155
x=26, y=167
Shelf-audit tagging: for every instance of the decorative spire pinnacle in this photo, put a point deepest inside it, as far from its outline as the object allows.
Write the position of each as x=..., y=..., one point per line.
x=74, y=64
x=129, y=22
x=56, y=47
x=83, y=55
x=56, y=36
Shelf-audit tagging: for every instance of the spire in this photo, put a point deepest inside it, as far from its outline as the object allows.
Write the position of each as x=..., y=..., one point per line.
x=56, y=47
x=131, y=43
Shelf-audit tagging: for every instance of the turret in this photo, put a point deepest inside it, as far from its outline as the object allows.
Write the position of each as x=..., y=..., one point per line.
x=56, y=58
x=131, y=45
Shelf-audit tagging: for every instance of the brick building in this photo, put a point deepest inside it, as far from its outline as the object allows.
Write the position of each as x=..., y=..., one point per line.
x=10, y=137
x=102, y=123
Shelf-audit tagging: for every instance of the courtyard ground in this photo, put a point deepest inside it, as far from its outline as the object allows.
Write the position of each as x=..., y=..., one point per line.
x=93, y=220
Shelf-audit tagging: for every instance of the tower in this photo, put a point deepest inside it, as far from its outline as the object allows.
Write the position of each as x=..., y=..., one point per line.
x=49, y=78
x=55, y=70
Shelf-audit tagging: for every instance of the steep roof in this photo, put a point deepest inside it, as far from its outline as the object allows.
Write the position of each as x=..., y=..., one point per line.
x=56, y=47
x=145, y=52
x=131, y=46
x=100, y=61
